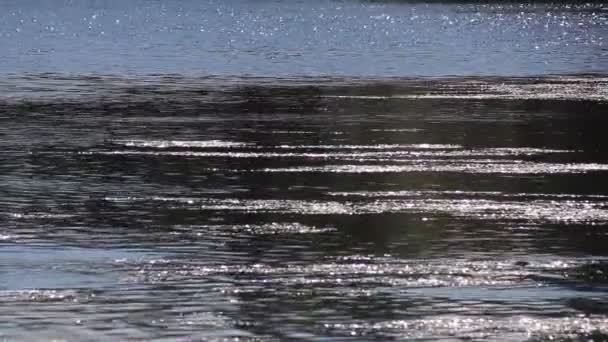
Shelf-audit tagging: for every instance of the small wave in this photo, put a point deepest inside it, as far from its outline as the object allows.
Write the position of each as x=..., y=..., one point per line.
x=413, y=151
x=523, y=96
x=246, y=155
x=372, y=147
x=550, y=210
x=491, y=168
x=409, y=193
x=292, y=132
x=177, y=143
x=475, y=327
x=206, y=320
x=38, y=215
x=546, y=88
x=45, y=295
x=398, y=130
x=274, y=228
x=412, y=193
x=220, y=143
x=391, y=272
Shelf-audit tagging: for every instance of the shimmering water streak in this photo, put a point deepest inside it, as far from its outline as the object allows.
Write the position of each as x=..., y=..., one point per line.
x=398, y=130
x=460, y=193
x=554, y=210
x=408, y=151
x=38, y=215
x=547, y=88
x=408, y=157
x=518, y=167
x=499, y=274
x=177, y=143
x=228, y=89
x=454, y=150
x=515, y=328
x=273, y=228
x=423, y=275
x=330, y=155
x=162, y=144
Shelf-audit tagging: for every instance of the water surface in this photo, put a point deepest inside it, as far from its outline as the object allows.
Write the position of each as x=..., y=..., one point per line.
x=289, y=170
x=319, y=37
x=165, y=207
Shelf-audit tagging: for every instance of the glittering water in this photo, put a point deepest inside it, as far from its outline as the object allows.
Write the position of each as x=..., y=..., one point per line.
x=317, y=37
x=278, y=170
x=168, y=207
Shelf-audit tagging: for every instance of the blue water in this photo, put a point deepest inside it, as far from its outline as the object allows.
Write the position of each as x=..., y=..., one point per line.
x=318, y=37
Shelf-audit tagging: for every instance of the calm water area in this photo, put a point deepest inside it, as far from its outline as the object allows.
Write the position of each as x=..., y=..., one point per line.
x=261, y=170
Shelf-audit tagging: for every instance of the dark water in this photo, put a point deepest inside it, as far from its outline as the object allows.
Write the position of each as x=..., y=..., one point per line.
x=310, y=209
x=278, y=170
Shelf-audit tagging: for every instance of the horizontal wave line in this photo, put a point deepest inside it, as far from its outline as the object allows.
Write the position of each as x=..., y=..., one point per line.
x=473, y=168
x=542, y=210
x=438, y=152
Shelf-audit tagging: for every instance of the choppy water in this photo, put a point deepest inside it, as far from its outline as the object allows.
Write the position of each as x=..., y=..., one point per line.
x=314, y=171
x=169, y=207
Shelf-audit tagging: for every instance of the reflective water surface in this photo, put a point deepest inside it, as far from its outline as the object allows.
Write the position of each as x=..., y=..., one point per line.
x=177, y=207
x=303, y=170
x=295, y=37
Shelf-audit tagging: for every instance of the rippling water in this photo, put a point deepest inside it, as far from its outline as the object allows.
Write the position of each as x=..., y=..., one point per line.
x=288, y=170
x=315, y=37
x=166, y=207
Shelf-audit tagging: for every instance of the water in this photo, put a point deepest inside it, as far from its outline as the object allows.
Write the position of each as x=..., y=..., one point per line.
x=319, y=37
x=319, y=171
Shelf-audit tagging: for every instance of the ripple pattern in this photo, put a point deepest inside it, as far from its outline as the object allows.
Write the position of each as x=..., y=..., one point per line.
x=174, y=207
